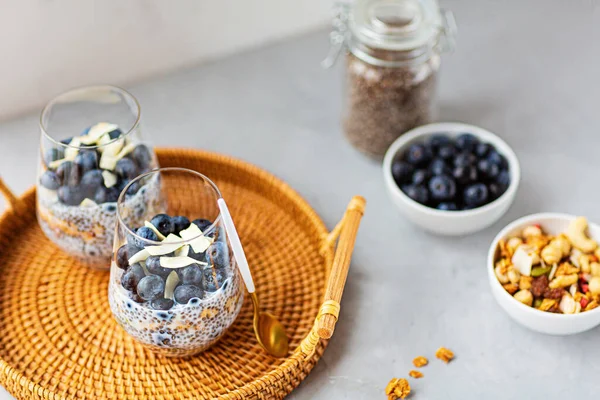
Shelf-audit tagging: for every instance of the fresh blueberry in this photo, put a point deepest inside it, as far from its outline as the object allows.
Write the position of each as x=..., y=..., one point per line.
x=180, y=222
x=92, y=180
x=150, y=287
x=212, y=279
x=495, y=190
x=122, y=257
x=163, y=223
x=154, y=267
x=202, y=224
x=190, y=275
x=126, y=168
x=482, y=149
x=132, y=277
x=133, y=188
x=497, y=158
x=402, y=172
x=114, y=134
x=217, y=255
x=467, y=142
x=106, y=195
x=418, y=193
x=446, y=152
x=50, y=180
x=142, y=156
x=442, y=187
x=488, y=169
x=475, y=195
x=437, y=141
x=184, y=293
x=503, y=179
x=161, y=303
x=67, y=140
x=418, y=155
x=86, y=160
x=69, y=173
x=53, y=154
x=463, y=159
x=439, y=167
x=71, y=195
x=145, y=233
x=420, y=177
x=465, y=175
x=447, y=207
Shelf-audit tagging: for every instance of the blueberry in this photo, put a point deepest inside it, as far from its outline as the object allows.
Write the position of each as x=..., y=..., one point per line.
x=447, y=207
x=133, y=188
x=202, y=224
x=439, y=167
x=163, y=223
x=180, y=223
x=197, y=256
x=217, y=255
x=488, y=169
x=463, y=159
x=71, y=195
x=92, y=180
x=495, y=190
x=184, y=293
x=465, y=175
x=126, y=168
x=442, y=187
x=190, y=275
x=439, y=140
x=145, y=233
x=69, y=173
x=497, y=158
x=418, y=155
x=132, y=277
x=417, y=192
x=142, y=156
x=86, y=160
x=67, y=140
x=420, y=177
x=50, y=180
x=402, y=172
x=503, y=179
x=161, y=303
x=114, y=133
x=446, y=152
x=106, y=195
x=213, y=278
x=150, y=287
x=475, y=195
x=482, y=149
x=466, y=141
x=122, y=257
x=154, y=267
x=53, y=154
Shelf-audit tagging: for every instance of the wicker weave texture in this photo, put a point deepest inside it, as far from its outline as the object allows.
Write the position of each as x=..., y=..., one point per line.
x=59, y=340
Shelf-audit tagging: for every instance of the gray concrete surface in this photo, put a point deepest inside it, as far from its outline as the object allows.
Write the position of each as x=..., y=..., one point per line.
x=524, y=69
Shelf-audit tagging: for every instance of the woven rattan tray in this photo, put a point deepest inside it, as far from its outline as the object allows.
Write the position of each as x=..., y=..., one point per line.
x=59, y=340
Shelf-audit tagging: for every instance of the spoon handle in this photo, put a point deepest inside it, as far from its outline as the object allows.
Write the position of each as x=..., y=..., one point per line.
x=236, y=246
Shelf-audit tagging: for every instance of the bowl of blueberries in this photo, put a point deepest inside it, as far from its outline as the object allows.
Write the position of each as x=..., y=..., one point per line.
x=451, y=178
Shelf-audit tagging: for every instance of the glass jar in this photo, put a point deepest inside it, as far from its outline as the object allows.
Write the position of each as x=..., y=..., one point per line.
x=90, y=149
x=393, y=57
x=174, y=283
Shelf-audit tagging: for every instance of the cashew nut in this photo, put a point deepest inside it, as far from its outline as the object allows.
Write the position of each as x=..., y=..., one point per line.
x=513, y=276
x=584, y=263
x=513, y=243
x=563, y=281
x=552, y=253
x=525, y=297
x=502, y=277
x=567, y=304
x=562, y=241
x=595, y=269
x=594, y=285
x=577, y=236
x=532, y=231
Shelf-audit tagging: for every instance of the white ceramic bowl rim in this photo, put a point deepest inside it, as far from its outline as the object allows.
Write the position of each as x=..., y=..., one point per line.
x=442, y=128
x=490, y=264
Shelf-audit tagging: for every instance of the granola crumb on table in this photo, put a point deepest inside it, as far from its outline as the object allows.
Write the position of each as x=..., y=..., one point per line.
x=397, y=389
x=420, y=361
x=444, y=354
x=415, y=374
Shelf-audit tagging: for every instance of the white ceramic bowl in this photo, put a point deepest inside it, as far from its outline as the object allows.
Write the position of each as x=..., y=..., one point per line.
x=541, y=321
x=451, y=222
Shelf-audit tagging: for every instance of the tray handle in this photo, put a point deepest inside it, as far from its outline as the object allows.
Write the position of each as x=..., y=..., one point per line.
x=11, y=200
x=346, y=231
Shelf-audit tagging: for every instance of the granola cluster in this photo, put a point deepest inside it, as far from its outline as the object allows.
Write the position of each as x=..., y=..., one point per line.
x=559, y=274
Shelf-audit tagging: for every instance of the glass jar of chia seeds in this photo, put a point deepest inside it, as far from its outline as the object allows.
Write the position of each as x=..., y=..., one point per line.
x=392, y=61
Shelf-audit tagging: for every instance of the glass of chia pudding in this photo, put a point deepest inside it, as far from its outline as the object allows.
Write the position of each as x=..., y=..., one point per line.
x=174, y=282
x=91, y=149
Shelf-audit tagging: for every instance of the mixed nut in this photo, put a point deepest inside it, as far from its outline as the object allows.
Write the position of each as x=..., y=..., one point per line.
x=559, y=274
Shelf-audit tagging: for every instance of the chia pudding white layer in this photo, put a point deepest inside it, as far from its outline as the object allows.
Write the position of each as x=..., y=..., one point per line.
x=87, y=232
x=183, y=330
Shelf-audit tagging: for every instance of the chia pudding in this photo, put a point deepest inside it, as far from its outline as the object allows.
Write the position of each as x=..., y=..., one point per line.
x=174, y=285
x=80, y=181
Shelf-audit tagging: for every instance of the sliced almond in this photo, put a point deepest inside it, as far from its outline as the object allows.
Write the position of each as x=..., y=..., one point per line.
x=88, y=203
x=108, y=161
x=100, y=129
x=73, y=149
x=56, y=163
x=178, y=262
x=172, y=238
x=163, y=249
x=170, y=284
x=139, y=256
x=201, y=243
x=149, y=225
x=110, y=179
x=183, y=252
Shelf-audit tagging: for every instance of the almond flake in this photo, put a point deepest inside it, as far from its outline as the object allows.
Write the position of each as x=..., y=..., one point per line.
x=139, y=256
x=73, y=149
x=170, y=284
x=88, y=203
x=178, y=262
x=201, y=243
x=149, y=225
x=163, y=249
x=110, y=179
x=183, y=252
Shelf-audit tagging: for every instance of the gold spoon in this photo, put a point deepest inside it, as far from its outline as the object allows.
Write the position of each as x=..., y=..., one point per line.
x=269, y=333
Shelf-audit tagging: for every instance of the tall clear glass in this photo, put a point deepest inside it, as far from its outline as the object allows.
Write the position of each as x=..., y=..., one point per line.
x=90, y=149
x=174, y=283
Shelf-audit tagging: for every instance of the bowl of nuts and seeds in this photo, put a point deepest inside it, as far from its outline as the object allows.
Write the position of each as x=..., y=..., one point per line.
x=451, y=178
x=544, y=271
